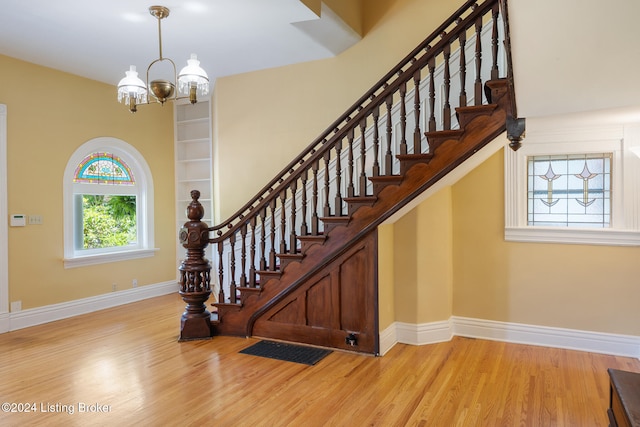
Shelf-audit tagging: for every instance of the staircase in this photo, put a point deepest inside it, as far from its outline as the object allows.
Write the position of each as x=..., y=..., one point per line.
x=298, y=261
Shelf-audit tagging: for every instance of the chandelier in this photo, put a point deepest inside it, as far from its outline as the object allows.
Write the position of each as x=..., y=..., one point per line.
x=192, y=80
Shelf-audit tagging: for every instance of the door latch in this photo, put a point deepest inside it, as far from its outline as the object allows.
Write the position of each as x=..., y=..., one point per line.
x=351, y=340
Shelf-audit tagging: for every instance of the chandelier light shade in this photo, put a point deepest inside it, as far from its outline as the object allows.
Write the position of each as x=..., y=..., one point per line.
x=132, y=90
x=192, y=80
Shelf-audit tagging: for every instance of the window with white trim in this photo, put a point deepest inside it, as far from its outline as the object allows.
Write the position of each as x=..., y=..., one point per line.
x=575, y=185
x=569, y=190
x=108, y=204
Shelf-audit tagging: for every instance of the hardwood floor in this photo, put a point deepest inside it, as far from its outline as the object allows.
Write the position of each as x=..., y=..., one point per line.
x=127, y=360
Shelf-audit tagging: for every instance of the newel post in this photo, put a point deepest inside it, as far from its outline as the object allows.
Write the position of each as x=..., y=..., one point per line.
x=195, y=280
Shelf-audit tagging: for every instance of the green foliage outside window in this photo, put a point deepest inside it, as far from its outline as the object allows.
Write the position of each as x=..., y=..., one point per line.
x=108, y=221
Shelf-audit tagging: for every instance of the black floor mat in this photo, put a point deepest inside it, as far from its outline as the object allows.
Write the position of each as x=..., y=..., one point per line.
x=286, y=352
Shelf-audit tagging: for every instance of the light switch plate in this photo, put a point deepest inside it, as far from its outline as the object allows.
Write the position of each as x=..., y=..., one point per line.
x=35, y=219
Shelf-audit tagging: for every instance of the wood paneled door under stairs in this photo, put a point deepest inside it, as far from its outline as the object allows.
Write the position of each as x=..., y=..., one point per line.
x=336, y=308
x=298, y=262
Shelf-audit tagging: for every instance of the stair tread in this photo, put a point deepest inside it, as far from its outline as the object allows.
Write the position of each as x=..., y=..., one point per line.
x=342, y=218
x=418, y=156
x=309, y=241
x=249, y=289
x=364, y=199
x=290, y=255
x=267, y=272
x=382, y=178
x=407, y=161
x=381, y=181
x=225, y=304
x=312, y=237
x=444, y=133
x=474, y=108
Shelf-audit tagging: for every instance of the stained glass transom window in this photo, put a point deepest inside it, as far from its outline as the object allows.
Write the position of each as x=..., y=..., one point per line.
x=569, y=190
x=103, y=168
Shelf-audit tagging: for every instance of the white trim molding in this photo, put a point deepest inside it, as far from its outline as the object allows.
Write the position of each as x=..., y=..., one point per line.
x=577, y=136
x=387, y=339
x=83, y=261
x=572, y=339
x=5, y=322
x=426, y=332
x=517, y=333
x=4, y=227
x=144, y=247
x=37, y=316
x=415, y=334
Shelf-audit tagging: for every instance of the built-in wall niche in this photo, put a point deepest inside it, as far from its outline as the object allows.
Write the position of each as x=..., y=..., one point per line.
x=193, y=162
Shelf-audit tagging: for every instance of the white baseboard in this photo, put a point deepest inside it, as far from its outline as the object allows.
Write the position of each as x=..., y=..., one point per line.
x=409, y=333
x=50, y=313
x=4, y=323
x=388, y=339
x=572, y=339
x=430, y=333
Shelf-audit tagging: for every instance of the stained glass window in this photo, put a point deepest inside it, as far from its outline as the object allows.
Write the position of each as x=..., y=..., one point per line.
x=108, y=218
x=569, y=190
x=103, y=168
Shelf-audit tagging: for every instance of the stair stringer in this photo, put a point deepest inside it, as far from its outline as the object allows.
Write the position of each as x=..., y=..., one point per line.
x=478, y=132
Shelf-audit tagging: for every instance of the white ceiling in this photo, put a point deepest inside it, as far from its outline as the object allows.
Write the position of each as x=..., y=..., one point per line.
x=100, y=39
x=569, y=55
x=575, y=55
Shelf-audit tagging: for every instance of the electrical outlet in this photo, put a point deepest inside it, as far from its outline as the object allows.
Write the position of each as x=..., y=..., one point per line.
x=134, y=283
x=16, y=306
x=114, y=287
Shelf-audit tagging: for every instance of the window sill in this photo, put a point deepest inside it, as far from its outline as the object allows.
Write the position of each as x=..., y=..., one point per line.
x=581, y=236
x=82, y=261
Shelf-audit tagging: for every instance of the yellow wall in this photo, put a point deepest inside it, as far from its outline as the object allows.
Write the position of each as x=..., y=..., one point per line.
x=265, y=118
x=49, y=115
x=350, y=11
x=386, y=276
x=585, y=287
x=423, y=261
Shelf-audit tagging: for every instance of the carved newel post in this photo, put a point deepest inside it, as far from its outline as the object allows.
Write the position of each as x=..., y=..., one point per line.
x=195, y=280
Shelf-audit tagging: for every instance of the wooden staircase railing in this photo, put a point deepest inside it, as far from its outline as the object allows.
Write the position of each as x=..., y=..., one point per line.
x=375, y=144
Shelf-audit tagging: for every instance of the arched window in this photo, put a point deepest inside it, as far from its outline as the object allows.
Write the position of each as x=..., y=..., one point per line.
x=108, y=204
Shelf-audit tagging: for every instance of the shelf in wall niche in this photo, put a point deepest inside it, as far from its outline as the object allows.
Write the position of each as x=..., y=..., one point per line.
x=194, y=129
x=192, y=112
x=194, y=160
x=193, y=171
x=193, y=180
x=193, y=141
x=194, y=121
